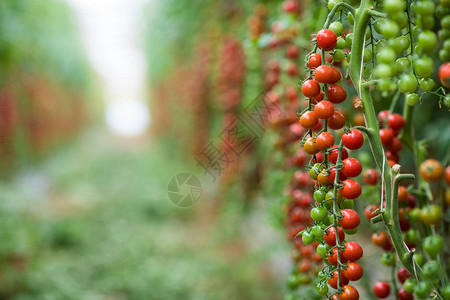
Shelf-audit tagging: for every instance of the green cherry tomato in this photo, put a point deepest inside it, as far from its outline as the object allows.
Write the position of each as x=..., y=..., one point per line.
x=388, y=259
x=367, y=55
x=319, y=213
x=445, y=22
x=427, y=41
x=422, y=289
x=350, y=19
x=401, y=19
x=319, y=196
x=384, y=85
x=393, y=6
x=444, y=34
x=308, y=238
x=387, y=56
x=322, y=289
x=389, y=29
x=411, y=100
x=347, y=203
x=317, y=231
x=408, y=83
x=403, y=64
x=338, y=55
x=425, y=8
x=292, y=281
x=419, y=259
x=349, y=40
x=304, y=278
x=446, y=292
x=426, y=84
x=351, y=231
x=409, y=285
x=400, y=44
x=322, y=250
x=424, y=66
x=431, y=214
x=444, y=55
x=413, y=236
x=432, y=245
x=383, y=71
x=431, y=269
x=340, y=44
x=337, y=27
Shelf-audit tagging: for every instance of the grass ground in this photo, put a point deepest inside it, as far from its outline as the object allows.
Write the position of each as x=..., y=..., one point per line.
x=94, y=222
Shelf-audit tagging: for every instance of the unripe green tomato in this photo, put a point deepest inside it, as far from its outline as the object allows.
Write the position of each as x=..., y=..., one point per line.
x=319, y=196
x=319, y=213
x=332, y=4
x=401, y=19
x=389, y=29
x=304, y=278
x=338, y=55
x=422, y=289
x=447, y=100
x=377, y=25
x=444, y=34
x=409, y=285
x=446, y=289
x=445, y=22
x=347, y=204
x=350, y=19
x=322, y=250
x=386, y=56
x=292, y=281
x=322, y=289
x=393, y=6
x=348, y=40
x=350, y=231
x=427, y=41
x=433, y=245
x=431, y=269
x=425, y=8
x=388, y=259
x=383, y=71
x=415, y=213
x=337, y=27
x=426, y=84
x=368, y=33
x=446, y=45
x=442, y=11
x=340, y=44
x=413, y=236
x=308, y=238
x=317, y=231
x=444, y=55
x=367, y=55
x=399, y=44
x=408, y=83
x=419, y=259
x=428, y=22
x=424, y=66
x=411, y=100
x=403, y=64
x=384, y=85
x=330, y=218
x=431, y=214
x=416, y=30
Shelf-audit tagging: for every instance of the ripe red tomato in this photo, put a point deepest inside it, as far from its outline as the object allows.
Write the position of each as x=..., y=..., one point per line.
x=354, y=271
x=324, y=140
x=299, y=158
x=350, y=219
x=395, y=145
x=324, y=74
x=331, y=177
x=310, y=88
x=289, y=6
x=292, y=51
x=336, y=75
x=332, y=157
x=353, y=251
x=336, y=93
x=336, y=121
x=382, y=117
x=353, y=140
x=333, y=258
x=351, y=189
x=309, y=119
x=382, y=289
x=402, y=194
x=326, y=39
x=386, y=135
x=369, y=212
x=324, y=109
x=304, y=266
x=444, y=74
x=371, y=177
x=381, y=239
x=396, y=121
x=431, y=170
x=333, y=281
x=310, y=146
x=404, y=295
x=314, y=61
x=330, y=237
x=403, y=274
x=352, y=167
x=349, y=293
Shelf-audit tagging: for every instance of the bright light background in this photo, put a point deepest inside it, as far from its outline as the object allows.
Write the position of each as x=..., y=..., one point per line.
x=111, y=32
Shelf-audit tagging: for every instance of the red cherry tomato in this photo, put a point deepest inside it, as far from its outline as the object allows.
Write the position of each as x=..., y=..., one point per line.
x=333, y=258
x=336, y=121
x=336, y=75
x=354, y=271
x=324, y=74
x=386, y=135
x=353, y=251
x=324, y=109
x=309, y=119
x=349, y=293
x=369, y=212
x=396, y=121
x=326, y=39
x=382, y=289
x=404, y=295
x=314, y=61
x=382, y=117
x=395, y=145
x=310, y=88
x=332, y=176
x=403, y=274
x=352, y=167
x=324, y=140
x=371, y=177
x=336, y=93
x=350, y=219
x=330, y=237
x=351, y=189
x=353, y=140
x=333, y=281
x=444, y=74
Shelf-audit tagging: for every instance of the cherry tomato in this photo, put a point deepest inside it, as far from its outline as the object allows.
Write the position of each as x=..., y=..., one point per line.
x=310, y=88
x=369, y=212
x=336, y=75
x=352, y=167
x=422, y=289
x=349, y=293
x=404, y=295
x=403, y=274
x=324, y=140
x=318, y=98
x=336, y=93
x=319, y=213
x=433, y=245
x=431, y=170
x=408, y=83
x=333, y=281
x=388, y=259
x=396, y=121
x=324, y=109
x=330, y=237
x=402, y=194
x=336, y=121
x=409, y=285
x=395, y=145
x=382, y=289
x=308, y=238
x=353, y=251
x=447, y=175
x=444, y=74
x=309, y=120
x=332, y=176
x=314, y=61
x=324, y=74
x=431, y=214
x=386, y=135
x=326, y=39
x=351, y=189
x=383, y=116
x=381, y=239
x=310, y=146
x=350, y=219
x=332, y=157
x=431, y=269
x=371, y=177
x=354, y=271
x=353, y=140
